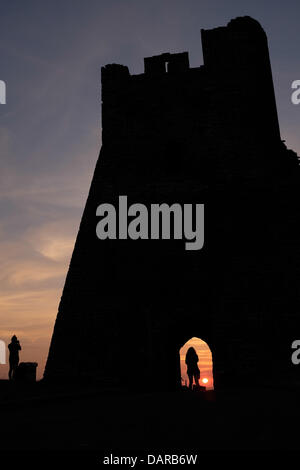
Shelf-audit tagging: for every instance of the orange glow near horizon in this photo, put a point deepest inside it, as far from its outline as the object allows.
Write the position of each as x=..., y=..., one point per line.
x=205, y=363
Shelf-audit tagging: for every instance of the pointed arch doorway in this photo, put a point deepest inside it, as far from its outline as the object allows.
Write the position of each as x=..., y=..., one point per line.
x=205, y=363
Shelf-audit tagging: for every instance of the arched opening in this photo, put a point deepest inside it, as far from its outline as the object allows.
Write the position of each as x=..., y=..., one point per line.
x=205, y=363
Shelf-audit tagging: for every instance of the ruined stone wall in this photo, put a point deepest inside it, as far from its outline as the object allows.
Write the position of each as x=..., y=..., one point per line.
x=187, y=135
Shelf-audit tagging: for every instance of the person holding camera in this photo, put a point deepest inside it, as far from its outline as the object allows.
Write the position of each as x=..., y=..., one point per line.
x=14, y=348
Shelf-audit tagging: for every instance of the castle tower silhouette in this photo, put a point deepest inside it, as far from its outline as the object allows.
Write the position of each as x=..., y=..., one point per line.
x=177, y=134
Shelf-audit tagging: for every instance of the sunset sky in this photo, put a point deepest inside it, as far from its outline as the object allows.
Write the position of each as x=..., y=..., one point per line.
x=51, y=53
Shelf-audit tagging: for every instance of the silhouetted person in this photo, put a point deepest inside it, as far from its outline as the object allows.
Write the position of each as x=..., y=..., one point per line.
x=193, y=372
x=14, y=348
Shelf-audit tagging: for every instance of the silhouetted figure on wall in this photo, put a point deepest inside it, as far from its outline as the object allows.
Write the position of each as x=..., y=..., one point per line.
x=193, y=372
x=14, y=348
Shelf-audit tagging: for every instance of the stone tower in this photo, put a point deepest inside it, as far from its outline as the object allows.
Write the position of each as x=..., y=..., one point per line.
x=176, y=134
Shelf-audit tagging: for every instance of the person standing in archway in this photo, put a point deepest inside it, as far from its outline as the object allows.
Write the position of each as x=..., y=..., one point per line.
x=14, y=348
x=193, y=371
